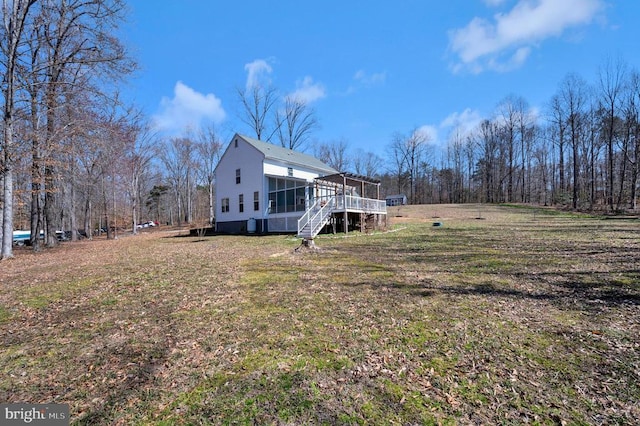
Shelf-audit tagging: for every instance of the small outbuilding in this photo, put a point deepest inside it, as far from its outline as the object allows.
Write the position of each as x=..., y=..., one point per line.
x=396, y=200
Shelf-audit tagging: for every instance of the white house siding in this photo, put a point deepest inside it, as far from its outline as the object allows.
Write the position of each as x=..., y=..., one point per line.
x=282, y=170
x=249, y=161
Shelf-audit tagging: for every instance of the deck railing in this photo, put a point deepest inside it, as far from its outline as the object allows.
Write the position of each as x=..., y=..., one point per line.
x=319, y=213
x=365, y=205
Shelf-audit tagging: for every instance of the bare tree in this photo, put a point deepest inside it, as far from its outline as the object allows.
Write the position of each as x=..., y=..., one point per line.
x=69, y=167
x=455, y=159
x=367, y=163
x=257, y=102
x=69, y=49
x=593, y=142
x=487, y=141
x=632, y=124
x=178, y=157
x=90, y=153
x=209, y=150
x=334, y=154
x=611, y=80
x=137, y=155
x=509, y=115
x=558, y=117
x=15, y=19
x=408, y=152
x=295, y=122
x=541, y=156
x=526, y=132
x=79, y=41
x=470, y=148
x=33, y=82
x=113, y=136
x=398, y=163
x=573, y=94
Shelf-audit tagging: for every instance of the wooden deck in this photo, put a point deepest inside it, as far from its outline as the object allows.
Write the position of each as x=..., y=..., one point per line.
x=321, y=212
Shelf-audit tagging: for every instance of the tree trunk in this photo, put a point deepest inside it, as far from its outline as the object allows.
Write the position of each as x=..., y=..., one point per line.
x=88, y=229
x=105, y=206
x=7, y=192
x=50, y=190
x=50, y=207
x=211, y=204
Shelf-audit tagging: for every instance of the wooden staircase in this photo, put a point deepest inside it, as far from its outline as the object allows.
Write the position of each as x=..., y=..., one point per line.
x=315, y=218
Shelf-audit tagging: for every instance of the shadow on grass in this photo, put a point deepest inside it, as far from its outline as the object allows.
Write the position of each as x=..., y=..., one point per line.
x=504, y=278
x=568, y=293
x=563, y=261
x=139, y=366
x=119, y=362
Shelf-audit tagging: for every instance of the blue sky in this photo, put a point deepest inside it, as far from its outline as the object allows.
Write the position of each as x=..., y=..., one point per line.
x=369, y=68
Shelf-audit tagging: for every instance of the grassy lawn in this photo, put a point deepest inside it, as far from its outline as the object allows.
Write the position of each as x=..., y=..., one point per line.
x=503, y=315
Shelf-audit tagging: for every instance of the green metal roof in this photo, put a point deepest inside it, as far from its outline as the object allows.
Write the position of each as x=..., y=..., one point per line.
x=278, y=153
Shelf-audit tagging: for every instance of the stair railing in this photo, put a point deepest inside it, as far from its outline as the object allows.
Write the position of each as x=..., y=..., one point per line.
x=316, y=216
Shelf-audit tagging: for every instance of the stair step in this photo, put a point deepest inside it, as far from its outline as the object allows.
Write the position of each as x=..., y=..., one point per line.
x=307, y=231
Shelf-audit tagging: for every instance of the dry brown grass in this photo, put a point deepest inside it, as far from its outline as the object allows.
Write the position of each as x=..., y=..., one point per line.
x=501, y=315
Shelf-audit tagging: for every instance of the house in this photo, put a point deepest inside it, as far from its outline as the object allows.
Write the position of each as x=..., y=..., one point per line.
x=396, y=200
x=261, y=187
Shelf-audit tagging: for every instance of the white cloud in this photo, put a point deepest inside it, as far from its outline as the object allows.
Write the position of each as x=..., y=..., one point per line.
x=257, y=73
x=430, y=133
x=466, y=120
x=505, y=42
x=459, y=124
x=370, y=79
x=463, y=123
x=308, y=91
x=188, y=108
x=534, y=113
x=362, y=79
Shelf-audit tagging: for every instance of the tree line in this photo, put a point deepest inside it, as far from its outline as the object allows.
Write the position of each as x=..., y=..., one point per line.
x=580, y=151
x=61, y=65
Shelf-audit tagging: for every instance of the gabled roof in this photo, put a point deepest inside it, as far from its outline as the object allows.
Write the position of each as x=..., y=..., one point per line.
x=278, y=153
